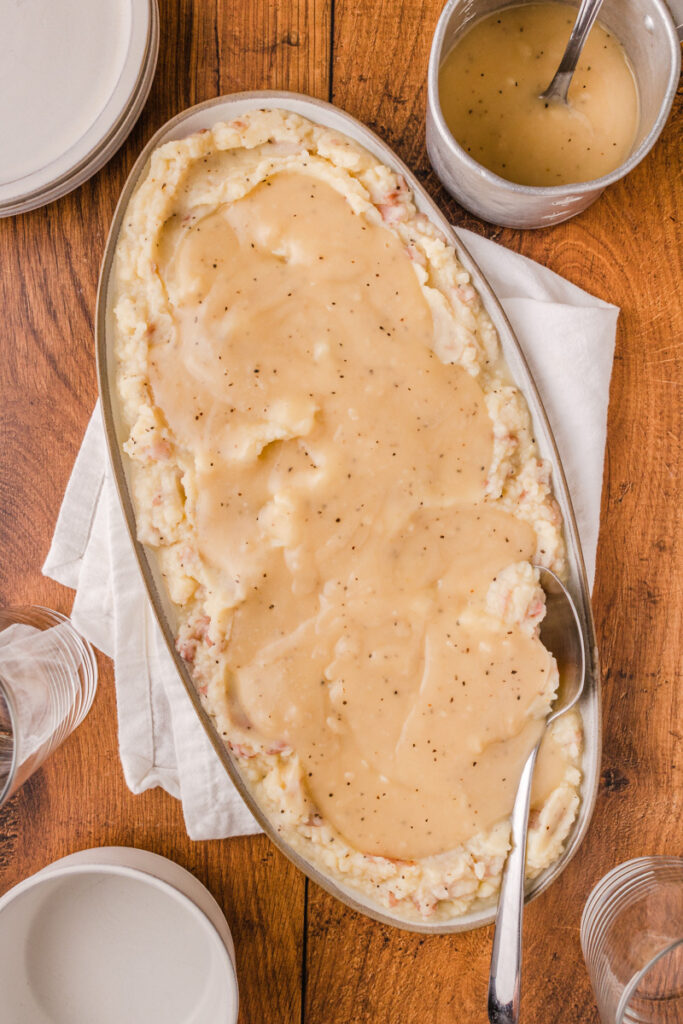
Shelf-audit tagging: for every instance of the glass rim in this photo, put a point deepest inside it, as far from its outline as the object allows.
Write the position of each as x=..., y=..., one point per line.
x=605, y=899
x=632, y=985
x=611, y=884
x=6, y=787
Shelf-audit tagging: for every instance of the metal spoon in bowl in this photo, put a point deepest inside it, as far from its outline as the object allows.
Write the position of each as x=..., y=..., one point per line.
x=559, y=87
x=561, y=633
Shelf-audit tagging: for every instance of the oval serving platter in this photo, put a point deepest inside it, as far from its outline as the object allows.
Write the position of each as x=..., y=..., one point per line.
x=205, y=115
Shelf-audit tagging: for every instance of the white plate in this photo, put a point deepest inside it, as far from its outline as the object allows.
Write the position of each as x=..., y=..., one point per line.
x=162, y=868
x=90, y=940
x=74, y=76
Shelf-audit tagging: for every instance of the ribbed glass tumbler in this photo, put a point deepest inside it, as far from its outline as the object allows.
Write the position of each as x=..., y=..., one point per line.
x=48, y=677
x=632, y=941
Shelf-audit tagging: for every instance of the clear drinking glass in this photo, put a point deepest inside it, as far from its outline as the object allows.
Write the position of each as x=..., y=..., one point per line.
x=48, y=677
x=632, y=941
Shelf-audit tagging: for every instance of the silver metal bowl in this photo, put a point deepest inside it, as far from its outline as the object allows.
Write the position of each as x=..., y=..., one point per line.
x=649, y=36
x=205, y=115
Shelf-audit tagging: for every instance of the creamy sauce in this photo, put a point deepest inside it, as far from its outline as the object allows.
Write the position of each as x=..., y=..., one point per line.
x=489, y=89
x=341, y=469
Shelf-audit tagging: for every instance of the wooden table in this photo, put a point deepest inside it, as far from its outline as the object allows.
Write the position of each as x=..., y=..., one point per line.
x=302, y=956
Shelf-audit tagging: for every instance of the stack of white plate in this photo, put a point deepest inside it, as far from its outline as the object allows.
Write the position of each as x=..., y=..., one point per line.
x=115, y=935
x=74, y=76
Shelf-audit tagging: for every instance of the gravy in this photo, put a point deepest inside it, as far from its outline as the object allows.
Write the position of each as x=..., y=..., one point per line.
x=341, y=471
x=490, y=85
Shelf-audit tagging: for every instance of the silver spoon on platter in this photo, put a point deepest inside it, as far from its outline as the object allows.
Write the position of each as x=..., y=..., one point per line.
x=561, y=633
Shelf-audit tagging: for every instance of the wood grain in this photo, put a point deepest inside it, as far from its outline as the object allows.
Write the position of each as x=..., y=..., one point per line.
x=318, y=962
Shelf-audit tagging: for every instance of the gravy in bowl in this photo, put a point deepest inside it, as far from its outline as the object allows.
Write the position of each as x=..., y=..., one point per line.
x=490, y=86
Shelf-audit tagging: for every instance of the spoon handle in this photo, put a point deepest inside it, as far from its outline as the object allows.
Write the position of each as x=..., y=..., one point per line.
x=506, y=956
x=585, y=19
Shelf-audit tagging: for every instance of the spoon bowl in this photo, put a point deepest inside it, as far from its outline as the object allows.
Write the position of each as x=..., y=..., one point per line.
x=561, y=633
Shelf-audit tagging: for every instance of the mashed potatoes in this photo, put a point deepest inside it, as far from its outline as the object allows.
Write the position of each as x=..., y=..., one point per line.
x=341, y=485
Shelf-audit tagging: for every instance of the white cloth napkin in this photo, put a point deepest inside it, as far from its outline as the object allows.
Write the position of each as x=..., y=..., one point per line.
x=568, y=338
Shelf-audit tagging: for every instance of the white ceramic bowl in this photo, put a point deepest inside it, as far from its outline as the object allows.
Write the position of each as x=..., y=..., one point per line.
x=101, y=938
